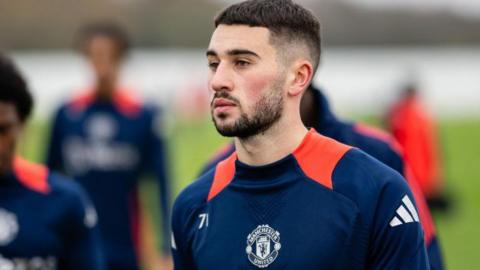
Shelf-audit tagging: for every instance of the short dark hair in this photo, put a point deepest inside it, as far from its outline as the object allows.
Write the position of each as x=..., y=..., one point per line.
x=285, y=19
x=105, y=29
x=14, y=89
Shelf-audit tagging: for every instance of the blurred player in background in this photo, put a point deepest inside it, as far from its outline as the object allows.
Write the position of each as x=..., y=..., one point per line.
x=46, y=220
x=288, y=197
x=315, y=112
x=106, y=139
x=415, y=130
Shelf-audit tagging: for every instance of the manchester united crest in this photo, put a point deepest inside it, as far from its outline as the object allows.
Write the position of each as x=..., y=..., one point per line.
x=263, y=246
x=8, y=227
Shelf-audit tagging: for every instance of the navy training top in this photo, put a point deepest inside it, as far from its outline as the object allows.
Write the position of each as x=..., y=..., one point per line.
x=106, y=146
x=46, y=222
x=326, y=206
x=376, y=143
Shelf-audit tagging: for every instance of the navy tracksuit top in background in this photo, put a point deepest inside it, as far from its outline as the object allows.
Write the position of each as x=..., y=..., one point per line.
x=379, y=145
x=106, y=146
x=46, y=222
x=325, y=206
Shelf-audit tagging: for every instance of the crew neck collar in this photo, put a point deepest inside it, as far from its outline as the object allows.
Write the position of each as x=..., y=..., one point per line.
x=276, y=168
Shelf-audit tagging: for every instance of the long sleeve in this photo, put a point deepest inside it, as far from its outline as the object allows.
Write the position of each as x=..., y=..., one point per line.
x=398, y=241
x=182, y=258
x=53, y=155
x=158, y=156
x=83, y=245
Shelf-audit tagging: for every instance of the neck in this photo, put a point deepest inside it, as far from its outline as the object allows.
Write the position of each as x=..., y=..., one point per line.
x=105, y=88
x=274, y=144
x=5, y=169
x=308, y=109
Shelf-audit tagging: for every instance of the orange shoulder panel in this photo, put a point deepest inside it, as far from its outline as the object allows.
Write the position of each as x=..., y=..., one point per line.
x=224, y=173
x=31, y=175
x=318, y=156
x=127, y=103
x=82, y=100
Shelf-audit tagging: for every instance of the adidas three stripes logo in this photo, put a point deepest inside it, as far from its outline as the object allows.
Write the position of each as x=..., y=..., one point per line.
x=406, y=213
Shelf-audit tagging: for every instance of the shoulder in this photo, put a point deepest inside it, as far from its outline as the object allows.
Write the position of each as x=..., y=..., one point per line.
x=38, y=178
x=60, y=184
x=194, y=195
x=73, y=198
x=222, y=153
x=359, y=165
x=375, y=138
x=204, y=189
x=349, y=172
x=367, y=181
x=379, y=144
x=131, y=104
x=73, y=107
x=342, y=168
x=68, y=190
x=78, y=102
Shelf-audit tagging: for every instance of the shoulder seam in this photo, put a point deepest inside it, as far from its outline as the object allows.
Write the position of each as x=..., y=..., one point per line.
x=318, y=157
x=223, y=175
x=31, y=175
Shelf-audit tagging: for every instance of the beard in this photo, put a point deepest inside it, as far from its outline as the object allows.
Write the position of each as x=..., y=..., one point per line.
x=266, y=112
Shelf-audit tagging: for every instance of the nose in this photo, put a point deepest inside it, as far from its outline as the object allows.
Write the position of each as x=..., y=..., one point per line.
x=221, y=79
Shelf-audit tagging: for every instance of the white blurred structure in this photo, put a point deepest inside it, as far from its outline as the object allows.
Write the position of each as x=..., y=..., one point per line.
x=461, y=7
x=357, y=80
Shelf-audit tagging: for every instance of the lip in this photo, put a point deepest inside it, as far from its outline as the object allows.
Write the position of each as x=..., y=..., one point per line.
x=222, y=105
x=222, y=102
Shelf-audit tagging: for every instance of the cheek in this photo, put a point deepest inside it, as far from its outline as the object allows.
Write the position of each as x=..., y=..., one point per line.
x=257, y=85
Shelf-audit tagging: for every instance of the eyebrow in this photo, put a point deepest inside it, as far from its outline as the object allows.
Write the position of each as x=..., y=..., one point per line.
x=234, y=52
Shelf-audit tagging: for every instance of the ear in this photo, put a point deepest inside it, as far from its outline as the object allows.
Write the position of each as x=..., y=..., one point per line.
x=302, y=73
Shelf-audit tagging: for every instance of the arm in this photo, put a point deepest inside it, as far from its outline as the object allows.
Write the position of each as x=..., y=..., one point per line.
x=83, y=246
x=157, y=154
x=397, y=236
x=182, y=259
x=53, y=155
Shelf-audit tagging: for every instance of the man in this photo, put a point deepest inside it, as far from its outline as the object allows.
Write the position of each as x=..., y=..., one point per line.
x=414, y=129
x=315, y=112
x=288, y=198
x=105, y=138
x=46, y=221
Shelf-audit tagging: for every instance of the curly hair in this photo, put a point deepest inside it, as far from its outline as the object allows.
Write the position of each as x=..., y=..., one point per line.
x=14, y=89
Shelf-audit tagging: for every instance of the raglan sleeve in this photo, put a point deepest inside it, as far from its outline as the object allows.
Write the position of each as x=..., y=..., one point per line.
x=181, y=231
x=53, y=152
x=83, y=244
x=397, y=235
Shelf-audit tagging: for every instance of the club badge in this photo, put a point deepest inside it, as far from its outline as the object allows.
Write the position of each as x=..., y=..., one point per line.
x=8, y=227
x=263, y=246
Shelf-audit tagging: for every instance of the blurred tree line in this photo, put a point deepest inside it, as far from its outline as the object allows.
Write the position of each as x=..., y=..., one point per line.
x=52, y=24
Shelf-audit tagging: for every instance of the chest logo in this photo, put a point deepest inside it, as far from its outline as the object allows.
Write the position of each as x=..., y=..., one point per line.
x=101, y=127
x=263, y=246
x=8, y=227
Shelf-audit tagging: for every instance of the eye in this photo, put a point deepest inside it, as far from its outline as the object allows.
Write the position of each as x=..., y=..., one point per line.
x=213, y=65
x=242, y=63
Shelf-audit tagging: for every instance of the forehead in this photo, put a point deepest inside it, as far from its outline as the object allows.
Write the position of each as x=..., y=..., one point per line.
x=231, y=37
x=101, y=42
